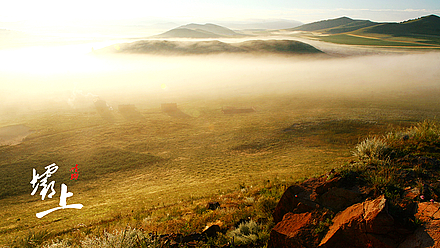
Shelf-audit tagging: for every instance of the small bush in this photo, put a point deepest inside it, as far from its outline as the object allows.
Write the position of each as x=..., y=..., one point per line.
x=200, y=209
x=126, y=238
x=384, y=180
x=423, y=138
x=323, y=226
x=426, y=131
x=371, y=148
x=246, y=233
x=266, y=205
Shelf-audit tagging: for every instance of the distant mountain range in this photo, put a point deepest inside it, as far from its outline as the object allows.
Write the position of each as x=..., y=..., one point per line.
x=164, y=47
x=427, y=25
x=262, y=24
x=199, y=31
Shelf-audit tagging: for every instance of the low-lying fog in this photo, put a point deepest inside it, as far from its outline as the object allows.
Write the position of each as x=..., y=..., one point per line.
x=54, y=74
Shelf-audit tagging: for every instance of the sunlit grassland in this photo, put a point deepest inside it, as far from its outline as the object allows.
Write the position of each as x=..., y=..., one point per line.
x=371, y=40
x=133, y=166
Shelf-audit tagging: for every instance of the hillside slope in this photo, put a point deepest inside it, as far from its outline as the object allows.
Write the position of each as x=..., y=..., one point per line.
x=352, y=26
x=193, y=30
x=324, y=24
x=423, y=31
x=212, y=28
x=188, y=33
x=335, y=26
x=164, y=47
x=427, y=25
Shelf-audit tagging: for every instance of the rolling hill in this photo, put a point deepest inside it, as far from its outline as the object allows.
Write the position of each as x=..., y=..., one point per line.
x=427, y=25
x=212, y=28
x=164, y=47
x=323, y=24
x=188, y=33
x=334, y=26
x=199, y=31
x=417, y=32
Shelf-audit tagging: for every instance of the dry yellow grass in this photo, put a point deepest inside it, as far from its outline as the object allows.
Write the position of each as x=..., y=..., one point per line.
x=133, y=167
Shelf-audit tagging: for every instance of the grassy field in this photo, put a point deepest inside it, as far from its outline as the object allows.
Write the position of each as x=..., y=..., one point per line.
x=131, y=167
x=375, y=41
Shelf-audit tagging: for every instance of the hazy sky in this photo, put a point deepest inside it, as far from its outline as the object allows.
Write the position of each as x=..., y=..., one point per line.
x=56, y=11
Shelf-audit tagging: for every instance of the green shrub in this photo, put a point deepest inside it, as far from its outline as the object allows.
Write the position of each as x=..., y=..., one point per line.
x=323, y=226
x=246, y=233
x=371, y=148
x=267, y=205
x=385, y=180
x=423, y=138
x=426, y=131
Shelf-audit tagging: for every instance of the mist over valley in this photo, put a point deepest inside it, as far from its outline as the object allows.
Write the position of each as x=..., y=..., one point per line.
x=164, y=69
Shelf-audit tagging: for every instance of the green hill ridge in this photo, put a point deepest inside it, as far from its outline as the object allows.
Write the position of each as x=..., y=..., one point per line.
x=165, y=47
x=422, y=31
x=325, y=24
x=427, y=25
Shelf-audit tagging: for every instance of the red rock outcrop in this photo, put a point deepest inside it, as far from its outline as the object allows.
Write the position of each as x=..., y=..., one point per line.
x=365, y=224
x=358, y=223
x=297, y=198
x=316, y=193
x=339, y=198
x=288, y=232
x=427, y=211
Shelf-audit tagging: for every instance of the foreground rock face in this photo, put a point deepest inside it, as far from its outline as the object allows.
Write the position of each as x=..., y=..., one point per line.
x=288, y=232
x=316, y=193
x=427, y=235
x=295, y=199
x=299, y=218
x=365, y=224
